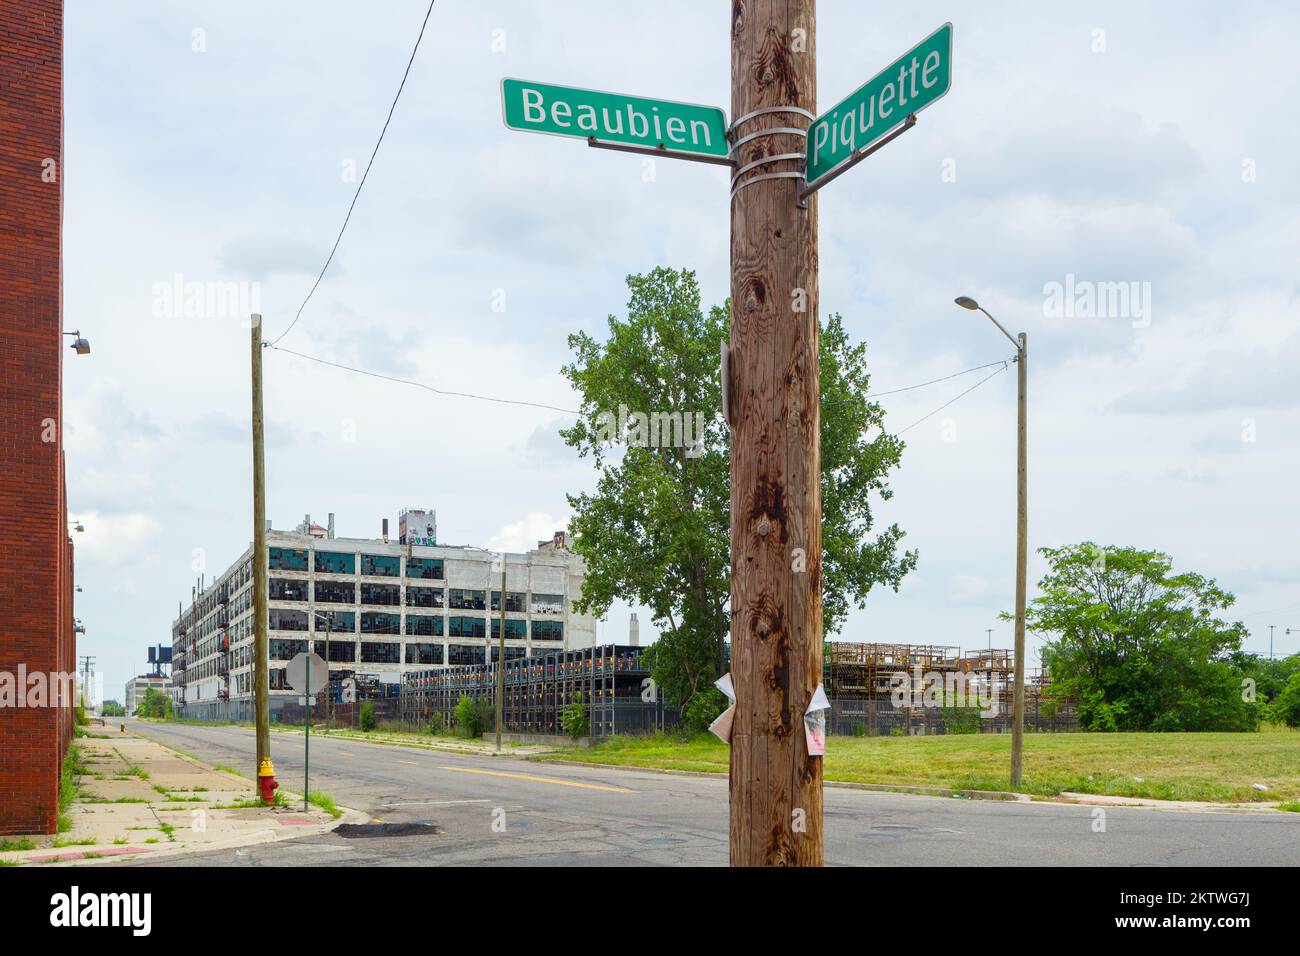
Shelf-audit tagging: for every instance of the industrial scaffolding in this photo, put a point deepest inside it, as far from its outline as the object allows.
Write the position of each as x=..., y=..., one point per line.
x=613, y=681
x=916, y=689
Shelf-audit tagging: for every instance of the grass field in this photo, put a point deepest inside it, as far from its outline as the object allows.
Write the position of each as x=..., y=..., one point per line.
x=1215, y=767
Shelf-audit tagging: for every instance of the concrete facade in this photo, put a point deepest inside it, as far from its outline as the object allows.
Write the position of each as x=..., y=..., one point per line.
x=391, y=607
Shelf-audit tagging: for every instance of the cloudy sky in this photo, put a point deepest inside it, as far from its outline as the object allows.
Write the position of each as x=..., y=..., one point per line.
x=1119, y=142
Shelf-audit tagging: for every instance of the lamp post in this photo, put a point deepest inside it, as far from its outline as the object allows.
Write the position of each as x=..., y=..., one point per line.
x=1022, y=541
x=79, y=345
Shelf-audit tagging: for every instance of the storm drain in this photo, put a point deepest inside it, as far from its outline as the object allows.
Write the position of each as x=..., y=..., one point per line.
x=354, y=831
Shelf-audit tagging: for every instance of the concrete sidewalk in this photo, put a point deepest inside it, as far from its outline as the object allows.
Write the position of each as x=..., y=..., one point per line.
x=136, y=797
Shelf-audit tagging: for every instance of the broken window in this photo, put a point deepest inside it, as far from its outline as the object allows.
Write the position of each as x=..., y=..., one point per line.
x=341, y=652
x=335, y=592
x=375, y=652
x=385, y=594
x=548, y=630
x=287, y=559
x=514, y=601
x=469, y=600
x=515, y=630
x=287, y=589
x=424, y=568
x=548, y=604
x=381, y=565
x=424, y=597
x=424, y=624
x=466, y=627
x=377, y=622
x=280, y=649
x=284, y=620
x=464, y=654
x=336, y=622
x=335, y=562
x=424, y=653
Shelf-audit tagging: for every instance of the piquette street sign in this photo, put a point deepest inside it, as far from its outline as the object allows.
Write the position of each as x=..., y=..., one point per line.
x=664, y=126
x=880, y=106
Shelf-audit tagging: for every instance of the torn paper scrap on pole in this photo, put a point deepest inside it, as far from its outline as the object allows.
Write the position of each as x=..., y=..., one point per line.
x=814, y=722
x=721, y=726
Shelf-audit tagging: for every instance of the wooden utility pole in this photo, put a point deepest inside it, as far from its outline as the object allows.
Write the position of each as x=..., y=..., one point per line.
x=1022, y=561
x=501, y=651
x=776, y=625
x=261, y=674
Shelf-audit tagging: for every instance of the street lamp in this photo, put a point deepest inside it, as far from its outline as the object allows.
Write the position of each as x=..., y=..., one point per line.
x=1022, y=541
x=79, y=345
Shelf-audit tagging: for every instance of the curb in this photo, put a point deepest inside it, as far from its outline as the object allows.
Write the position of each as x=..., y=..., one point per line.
x=117, y=854
x=836, y=784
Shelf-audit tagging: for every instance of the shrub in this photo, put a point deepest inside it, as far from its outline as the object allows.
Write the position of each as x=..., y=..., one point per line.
x=469, y=717
x=702, y=709
x=435, y=725
x=366, y=719
x=574, y=718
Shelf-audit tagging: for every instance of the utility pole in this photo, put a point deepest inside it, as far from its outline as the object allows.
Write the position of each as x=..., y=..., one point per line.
x=773, y=397
x=501, y=653
x=261, y=671
x=1021, y=343
x=329, y=696
x=1022, y=564
x=1270, y=641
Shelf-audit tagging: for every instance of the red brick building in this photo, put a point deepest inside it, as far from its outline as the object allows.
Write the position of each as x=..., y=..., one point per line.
x=36, y=625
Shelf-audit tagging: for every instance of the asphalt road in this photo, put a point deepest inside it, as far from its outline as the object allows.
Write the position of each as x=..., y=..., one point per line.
x=507, y=811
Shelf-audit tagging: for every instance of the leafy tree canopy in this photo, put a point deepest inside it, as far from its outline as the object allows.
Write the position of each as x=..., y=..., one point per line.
x=656, y=530
x=1139, y=646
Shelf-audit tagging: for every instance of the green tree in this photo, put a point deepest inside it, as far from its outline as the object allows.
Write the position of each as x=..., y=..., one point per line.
x=1138, y=646
x=1286, y=706
x=111, y=708
x=656, y=530
x=155, y=704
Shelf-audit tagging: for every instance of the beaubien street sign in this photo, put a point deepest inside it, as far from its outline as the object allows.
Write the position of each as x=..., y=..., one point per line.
x=662, y=126
x=908, y=85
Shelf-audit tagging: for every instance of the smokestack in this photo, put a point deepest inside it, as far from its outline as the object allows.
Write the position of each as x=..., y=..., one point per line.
x=634, y=631
x=331, y=527
x=385, y=531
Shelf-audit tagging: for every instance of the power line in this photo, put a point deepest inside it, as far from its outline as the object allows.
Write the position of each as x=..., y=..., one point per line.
x=428, y=388
x=935, y=381
x=360, y=185
x=954, y=398
x=571, y=411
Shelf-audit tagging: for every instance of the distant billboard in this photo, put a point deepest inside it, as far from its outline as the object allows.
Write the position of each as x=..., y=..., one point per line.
x=417, y=527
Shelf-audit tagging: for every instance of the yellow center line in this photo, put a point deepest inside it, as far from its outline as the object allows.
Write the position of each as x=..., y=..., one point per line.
x=525, y=776
x=410, y=762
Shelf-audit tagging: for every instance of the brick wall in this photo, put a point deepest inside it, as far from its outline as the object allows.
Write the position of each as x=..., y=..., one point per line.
x=36, y=570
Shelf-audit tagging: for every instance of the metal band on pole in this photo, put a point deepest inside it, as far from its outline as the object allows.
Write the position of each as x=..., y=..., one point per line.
x=763, y=161
x=792, y=130
x=799, y=111
x=758, y=179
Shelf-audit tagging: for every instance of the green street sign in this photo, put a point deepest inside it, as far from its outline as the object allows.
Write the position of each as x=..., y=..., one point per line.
x=908, y=85
x=662, y=126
